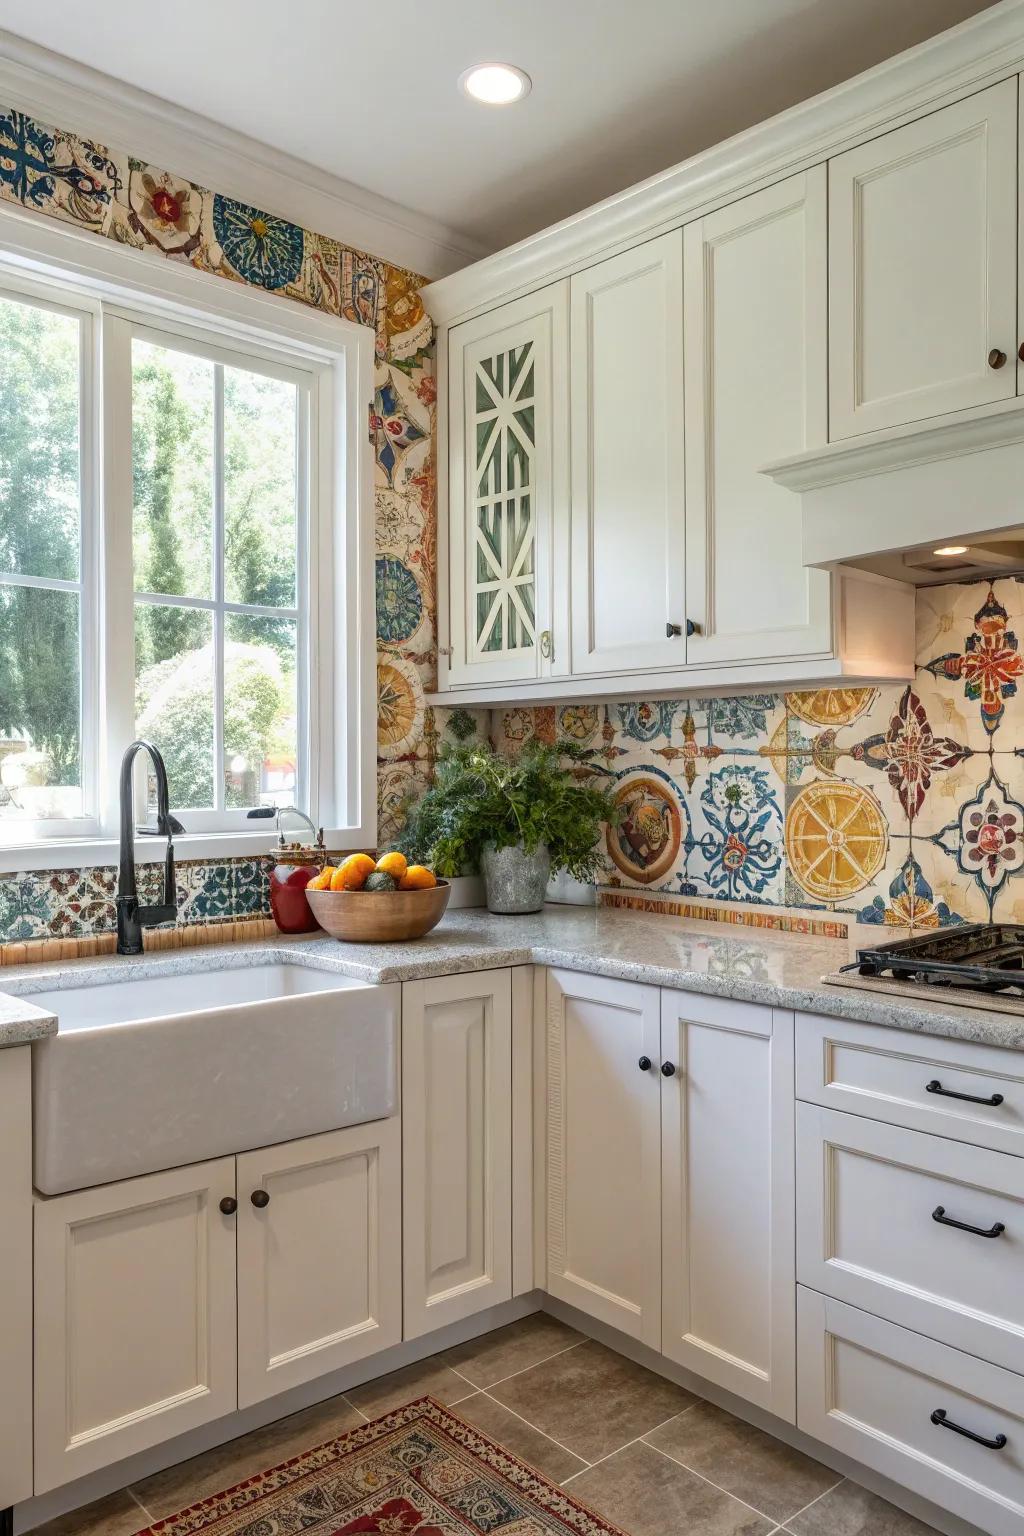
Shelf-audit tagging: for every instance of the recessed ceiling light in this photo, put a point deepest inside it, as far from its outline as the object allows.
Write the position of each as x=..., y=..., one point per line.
x=951, y=549
x=496, y=85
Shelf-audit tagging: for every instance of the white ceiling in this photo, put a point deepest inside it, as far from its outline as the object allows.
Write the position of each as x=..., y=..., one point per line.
x=622, y=88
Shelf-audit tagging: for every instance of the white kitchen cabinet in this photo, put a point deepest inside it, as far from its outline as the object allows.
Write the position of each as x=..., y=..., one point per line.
x=603, y=1165
x=756, y=350
x=922, y=267
x=626, y=386
x=457, y=1147
x=508, y=483
x=319, y=1256
x=727, y=1196
x=15, y=1275
x=134, y=1316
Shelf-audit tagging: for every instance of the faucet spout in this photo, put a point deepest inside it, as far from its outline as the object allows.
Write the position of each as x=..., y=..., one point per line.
x=131, y=916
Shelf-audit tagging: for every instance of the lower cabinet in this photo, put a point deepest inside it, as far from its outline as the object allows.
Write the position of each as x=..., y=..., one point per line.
x=319, y=1256
x=457, y=1147
x=140, y=1335
x=669, y=1188
x=135, y=1338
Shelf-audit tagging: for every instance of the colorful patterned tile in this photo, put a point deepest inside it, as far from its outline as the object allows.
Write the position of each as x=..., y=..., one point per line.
x=648, y=847
x=735, y=851
x=985, y=833
x=837, y=841
x=56, y=172
x=954, y=895
x=970, y=664
x=250, y=887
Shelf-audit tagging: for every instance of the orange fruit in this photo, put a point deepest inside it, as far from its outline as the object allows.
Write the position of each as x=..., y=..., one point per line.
x=321, y=881
x=352, y=874
x=393, y=864
x=417, y=878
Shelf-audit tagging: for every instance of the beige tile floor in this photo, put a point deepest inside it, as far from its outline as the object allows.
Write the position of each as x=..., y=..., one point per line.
x=647, y=1455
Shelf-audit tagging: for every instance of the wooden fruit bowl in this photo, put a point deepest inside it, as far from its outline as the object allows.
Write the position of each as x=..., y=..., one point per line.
x=379, y=917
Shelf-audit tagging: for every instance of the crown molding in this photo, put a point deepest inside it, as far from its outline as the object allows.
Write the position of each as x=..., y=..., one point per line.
x=964, y=59
x=66, y=94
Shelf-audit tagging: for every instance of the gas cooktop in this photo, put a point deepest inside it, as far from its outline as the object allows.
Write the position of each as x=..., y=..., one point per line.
x=982, y=957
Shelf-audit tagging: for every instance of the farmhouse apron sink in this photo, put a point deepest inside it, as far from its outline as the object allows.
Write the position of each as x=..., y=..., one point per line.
x=174, y=1069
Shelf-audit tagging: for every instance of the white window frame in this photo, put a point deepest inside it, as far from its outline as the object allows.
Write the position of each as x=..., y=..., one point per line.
x=77, y=271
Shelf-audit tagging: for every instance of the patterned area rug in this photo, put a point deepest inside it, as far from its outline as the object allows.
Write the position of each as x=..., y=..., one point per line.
x=418, y=1470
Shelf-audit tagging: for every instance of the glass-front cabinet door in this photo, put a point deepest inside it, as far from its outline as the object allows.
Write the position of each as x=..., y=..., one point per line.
x=508, y=479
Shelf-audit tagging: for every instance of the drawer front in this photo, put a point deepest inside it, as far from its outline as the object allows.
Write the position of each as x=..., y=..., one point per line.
x=910, y=1080
x=868, y=1230
x=869, y=1389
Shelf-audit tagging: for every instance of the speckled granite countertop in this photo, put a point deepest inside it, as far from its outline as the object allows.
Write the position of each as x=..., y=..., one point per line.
x=754, y=965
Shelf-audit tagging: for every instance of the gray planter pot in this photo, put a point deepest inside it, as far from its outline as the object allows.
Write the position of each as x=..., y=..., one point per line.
x=515, y=880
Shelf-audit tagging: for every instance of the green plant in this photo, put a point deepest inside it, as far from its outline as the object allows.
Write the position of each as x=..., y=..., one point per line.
x=480, y=797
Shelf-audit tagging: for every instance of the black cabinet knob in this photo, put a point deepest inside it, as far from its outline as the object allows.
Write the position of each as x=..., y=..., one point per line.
x=671, y=630
x=229, y=1205
x=668, y=1069
x=644, y=1063
x=996, y=358
x=260, y=1199
x=692, y=628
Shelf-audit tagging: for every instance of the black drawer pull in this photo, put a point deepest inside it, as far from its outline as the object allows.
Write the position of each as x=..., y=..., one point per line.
x=939, y=1418
x=935, y=1086
x=995, y=1230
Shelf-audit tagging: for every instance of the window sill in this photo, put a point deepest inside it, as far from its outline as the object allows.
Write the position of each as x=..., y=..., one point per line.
x=87, y=852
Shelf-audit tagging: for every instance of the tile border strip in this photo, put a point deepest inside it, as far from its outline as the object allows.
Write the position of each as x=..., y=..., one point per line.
x=779, y=922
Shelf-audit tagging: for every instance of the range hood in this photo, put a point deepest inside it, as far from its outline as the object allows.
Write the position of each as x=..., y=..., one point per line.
x=886, y=502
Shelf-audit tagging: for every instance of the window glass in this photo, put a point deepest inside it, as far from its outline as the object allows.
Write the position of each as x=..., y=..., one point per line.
x=215, y=535
x=40, y=599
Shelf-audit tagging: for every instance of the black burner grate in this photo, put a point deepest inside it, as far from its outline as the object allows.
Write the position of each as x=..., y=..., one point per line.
x=986, y=957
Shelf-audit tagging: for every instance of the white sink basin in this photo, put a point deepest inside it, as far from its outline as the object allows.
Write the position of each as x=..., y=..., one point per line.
x=174, y=1069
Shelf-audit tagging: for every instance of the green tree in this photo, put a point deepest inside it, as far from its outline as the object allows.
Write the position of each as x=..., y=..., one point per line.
x=39, y=531
x=164, y=430
x=174, y=709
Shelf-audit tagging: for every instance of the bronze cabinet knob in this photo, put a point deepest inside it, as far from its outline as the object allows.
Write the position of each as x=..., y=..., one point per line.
x=260, y=1199
x=229, y=1205
x=996, y=359
x=1020, y=351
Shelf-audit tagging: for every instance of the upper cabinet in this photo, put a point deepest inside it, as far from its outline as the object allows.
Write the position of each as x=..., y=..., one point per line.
x=626, y=386
x=507, y=473
x=756, y=350
x=923, y=267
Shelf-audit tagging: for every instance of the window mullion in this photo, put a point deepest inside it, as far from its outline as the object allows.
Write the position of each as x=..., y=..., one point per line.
x=218, y=586
x=116, y=564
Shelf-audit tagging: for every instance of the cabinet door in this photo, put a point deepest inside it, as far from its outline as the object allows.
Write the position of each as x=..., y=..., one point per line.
x=626, y=348
x=134, y=1317
x=507, y=480
x=756, y=354
x=457, y=1147
x=727, y=1168
x=604, y=1151
x=922, y=266
x=319, y=1264
x=16, y=1275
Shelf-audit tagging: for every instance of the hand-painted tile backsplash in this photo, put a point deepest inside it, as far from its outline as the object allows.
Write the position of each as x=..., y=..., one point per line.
x=897, y=805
